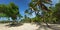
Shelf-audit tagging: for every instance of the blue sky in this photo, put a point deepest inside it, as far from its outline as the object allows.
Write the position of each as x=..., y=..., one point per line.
x=22, y=4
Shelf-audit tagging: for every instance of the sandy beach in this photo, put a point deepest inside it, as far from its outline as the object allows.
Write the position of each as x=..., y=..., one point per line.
x=28, y=26
x=25, y=26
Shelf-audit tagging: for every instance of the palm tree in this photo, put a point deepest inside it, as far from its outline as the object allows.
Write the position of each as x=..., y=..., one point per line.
x=37, y=5
x=41, y=4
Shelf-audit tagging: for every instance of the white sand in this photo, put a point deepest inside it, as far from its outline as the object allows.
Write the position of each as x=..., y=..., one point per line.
x=25, y=26
x=28, y=26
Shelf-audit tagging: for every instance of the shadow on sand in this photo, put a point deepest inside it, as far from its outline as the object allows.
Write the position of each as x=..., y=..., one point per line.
x=55, y=27
x=51, y=27
x=14, y=25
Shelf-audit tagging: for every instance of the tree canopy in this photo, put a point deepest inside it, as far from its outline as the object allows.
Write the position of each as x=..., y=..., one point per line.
x=10, y=10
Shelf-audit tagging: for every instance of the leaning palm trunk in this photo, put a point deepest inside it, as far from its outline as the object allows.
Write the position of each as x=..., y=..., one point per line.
x=45, y=22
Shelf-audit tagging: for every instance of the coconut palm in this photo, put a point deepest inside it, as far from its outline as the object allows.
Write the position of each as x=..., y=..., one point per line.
x=41, y=4
x=37, y=5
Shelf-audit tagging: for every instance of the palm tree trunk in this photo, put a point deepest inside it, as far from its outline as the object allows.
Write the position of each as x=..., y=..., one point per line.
x=45, y=22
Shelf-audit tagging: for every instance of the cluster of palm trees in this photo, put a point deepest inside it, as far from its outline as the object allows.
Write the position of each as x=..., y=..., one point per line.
x=48, y=13
x=43, y=12
x=39, y=5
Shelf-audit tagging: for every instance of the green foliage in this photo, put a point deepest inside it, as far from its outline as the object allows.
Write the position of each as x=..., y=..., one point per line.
x=26, y=19
x=10, y=10
x=39, y=5
x=56, y=14
x=2, y=15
